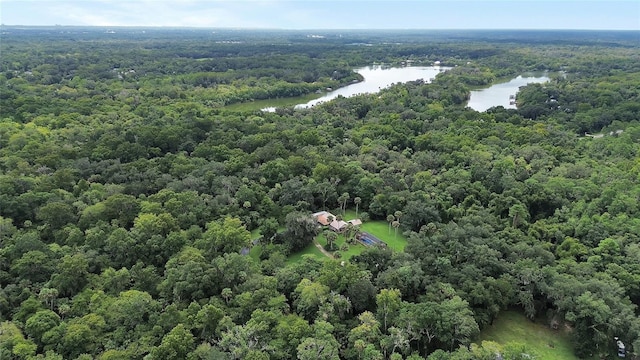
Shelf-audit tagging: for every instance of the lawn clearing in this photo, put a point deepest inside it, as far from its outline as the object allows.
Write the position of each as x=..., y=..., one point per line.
x=255, y=252
x=546, y=343
x=345, y=255
x=380, y=229
x=311, y=249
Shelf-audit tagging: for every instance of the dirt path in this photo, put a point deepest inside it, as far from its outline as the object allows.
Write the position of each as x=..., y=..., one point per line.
x=322, y=250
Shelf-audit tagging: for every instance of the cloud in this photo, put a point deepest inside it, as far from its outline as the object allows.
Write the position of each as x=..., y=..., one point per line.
x=192, y=13
x=315, y=14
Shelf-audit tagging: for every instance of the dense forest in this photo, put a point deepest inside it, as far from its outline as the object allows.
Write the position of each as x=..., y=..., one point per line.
x=129, y=192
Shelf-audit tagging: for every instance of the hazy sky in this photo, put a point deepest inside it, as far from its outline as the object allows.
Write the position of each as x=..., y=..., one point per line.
x=335, y=14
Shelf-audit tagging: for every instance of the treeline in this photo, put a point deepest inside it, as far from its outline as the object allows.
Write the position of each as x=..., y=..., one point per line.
x=125, y=204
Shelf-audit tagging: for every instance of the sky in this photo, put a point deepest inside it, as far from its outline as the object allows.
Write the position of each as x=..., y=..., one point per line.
x=329, y=14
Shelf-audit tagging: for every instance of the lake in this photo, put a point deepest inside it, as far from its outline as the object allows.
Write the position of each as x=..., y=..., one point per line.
x=376, y=78
x=499, y=94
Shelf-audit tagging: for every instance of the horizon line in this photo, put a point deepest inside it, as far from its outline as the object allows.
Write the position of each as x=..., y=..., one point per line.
x=304, y=29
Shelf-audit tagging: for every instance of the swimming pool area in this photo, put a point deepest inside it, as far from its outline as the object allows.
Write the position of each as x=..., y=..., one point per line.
x=370, y=240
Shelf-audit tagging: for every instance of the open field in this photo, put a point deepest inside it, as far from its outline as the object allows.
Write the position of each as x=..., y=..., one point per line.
x=380, y=229
x=311, y=249
x=546, y=343
x=353, y=249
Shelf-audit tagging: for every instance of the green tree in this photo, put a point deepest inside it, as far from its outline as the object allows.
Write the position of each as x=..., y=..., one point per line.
x=242, y=341
x=357, y=200
x=130, y=309
x=321, y=346
x=81, y=335
x=41, y=322
x=56, y=214
x=35, y=266
x=268, y=230
x=396, y=225
x=342, y=201
x=226, y=237
x=48, y=295
x=207, y=320
x=290, y=331
x=71, y=274
x=390, y=220
x=309, y=296
x=368, y=330
x=518, y=214
x=124, y=208
x=177, y=344
x=388, y=303
x=12, y=342
x=331, y=238
x=300, y=231
x=397, y=215
x=457, y=325
x=188, y=276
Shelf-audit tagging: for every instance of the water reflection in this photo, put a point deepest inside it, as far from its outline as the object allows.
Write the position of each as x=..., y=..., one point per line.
x=379, y=77
x=502, y=94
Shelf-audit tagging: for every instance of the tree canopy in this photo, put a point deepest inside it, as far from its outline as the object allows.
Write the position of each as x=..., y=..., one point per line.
x=131, y=195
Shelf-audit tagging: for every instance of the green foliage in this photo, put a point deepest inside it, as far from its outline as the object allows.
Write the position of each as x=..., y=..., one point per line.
x=539, y=339
x=188, y=276
x=323, y=345
x=301, y=228
x=177, y=344
x=12, y=342
x=230, y=236
x=129, y=191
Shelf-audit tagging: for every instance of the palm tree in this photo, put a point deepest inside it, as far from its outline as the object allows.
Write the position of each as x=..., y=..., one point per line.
x=356, y=231
x=390, y=219
x=348, y=233
x=398, y=214
x=395, y=225
x=357, y=200
x=342, y=200
x=331, y=238
x=227, y=294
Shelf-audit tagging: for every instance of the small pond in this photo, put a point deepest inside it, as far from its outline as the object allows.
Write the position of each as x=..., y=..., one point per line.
x=502, y=94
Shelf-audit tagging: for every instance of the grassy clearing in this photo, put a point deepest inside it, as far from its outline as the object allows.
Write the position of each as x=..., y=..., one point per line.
x=256, y=250
x=380, y=229
x=377, y=228
x=345, y=255
x=546, y=343
x=311, y=249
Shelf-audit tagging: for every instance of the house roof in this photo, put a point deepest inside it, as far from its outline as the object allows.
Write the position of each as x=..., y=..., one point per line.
x=338, y=225
x=323, y=217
